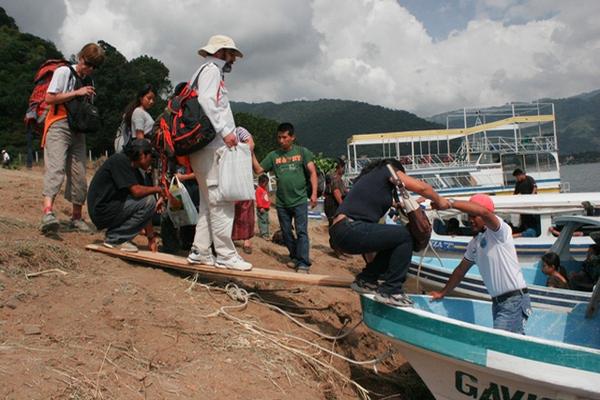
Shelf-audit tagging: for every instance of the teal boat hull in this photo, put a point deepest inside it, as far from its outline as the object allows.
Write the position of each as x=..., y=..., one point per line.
x=452, y=345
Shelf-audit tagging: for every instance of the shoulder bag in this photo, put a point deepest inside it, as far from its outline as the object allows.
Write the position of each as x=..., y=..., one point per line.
x=418, y=223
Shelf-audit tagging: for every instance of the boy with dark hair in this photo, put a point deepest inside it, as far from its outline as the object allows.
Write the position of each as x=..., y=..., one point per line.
x=118, y=200
x=263, y=204
x=289, y=164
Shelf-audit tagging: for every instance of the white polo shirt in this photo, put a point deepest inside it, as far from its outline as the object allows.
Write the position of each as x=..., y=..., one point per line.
x=496, y=257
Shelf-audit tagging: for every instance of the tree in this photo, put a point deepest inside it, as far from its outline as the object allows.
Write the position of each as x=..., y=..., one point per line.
x=263, y=131
x=20, y=56
x=117, y=83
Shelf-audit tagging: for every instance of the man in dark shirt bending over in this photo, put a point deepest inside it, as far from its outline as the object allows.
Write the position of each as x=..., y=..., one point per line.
x=525, y=184
x=119, y=202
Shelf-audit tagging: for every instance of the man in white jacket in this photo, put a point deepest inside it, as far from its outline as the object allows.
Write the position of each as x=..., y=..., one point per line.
x=215, y=218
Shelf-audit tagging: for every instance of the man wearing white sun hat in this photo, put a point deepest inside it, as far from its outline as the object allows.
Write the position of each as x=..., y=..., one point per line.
x=215, y=219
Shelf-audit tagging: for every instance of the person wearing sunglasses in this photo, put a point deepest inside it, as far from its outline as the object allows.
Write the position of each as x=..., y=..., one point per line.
x=64, y=149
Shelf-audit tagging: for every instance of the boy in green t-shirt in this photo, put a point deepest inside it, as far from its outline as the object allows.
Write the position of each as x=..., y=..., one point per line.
x=289, y=163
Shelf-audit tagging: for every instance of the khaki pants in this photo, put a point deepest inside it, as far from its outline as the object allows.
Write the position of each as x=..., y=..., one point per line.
x=215, y=219
x=64, y=155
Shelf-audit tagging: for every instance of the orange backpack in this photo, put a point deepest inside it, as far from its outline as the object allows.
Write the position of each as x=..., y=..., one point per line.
x=38, y=108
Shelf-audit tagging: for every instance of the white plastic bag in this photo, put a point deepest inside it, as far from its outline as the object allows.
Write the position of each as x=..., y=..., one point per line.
x=183, y=211
x=235, y=173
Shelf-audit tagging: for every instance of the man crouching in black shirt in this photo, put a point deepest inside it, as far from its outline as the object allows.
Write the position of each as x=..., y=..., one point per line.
x=118, y=200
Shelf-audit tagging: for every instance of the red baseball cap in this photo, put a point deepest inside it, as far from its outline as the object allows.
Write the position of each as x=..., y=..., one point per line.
x=483, y=200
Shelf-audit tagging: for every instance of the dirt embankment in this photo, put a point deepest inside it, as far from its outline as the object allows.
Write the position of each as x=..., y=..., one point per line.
x=96, y=327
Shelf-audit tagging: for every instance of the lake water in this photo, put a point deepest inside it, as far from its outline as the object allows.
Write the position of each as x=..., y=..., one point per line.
x=581, y=177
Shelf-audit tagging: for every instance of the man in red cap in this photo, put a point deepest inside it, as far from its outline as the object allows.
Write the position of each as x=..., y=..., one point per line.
x=493, y=250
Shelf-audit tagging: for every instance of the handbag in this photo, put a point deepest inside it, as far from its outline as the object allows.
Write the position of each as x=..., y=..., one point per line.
x=82, y=115
x=418, y=224
x=235, y=173
x=181, y=208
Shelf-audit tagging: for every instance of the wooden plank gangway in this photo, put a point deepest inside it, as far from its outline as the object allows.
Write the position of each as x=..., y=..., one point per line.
x=169, y=261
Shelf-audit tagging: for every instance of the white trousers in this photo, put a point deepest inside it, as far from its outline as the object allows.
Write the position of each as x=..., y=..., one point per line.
x=215, y=219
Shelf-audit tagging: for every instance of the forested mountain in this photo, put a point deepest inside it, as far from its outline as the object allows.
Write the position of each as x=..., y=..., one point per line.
x=324, y=125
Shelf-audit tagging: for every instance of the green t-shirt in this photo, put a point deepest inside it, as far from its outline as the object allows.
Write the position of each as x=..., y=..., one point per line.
x=288, y=167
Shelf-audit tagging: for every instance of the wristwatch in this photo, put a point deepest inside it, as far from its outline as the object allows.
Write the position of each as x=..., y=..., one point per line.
x=451, y=202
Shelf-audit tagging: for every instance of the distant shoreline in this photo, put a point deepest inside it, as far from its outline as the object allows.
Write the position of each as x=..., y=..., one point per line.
x=580, y=158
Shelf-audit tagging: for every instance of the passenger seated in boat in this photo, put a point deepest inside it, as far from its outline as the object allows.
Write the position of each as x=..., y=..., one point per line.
x=590, y=272
x=555, y=231
x=528, y=226
x=557, y=274
x=356, y=230
x=494, y=252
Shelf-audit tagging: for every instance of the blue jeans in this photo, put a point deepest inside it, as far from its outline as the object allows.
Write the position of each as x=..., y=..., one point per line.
x=392, y=243
x=511, y=314
x=134, y=216
x=298, y=247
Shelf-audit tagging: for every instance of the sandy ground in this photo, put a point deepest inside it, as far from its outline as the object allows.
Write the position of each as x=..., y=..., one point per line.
x=102, y=328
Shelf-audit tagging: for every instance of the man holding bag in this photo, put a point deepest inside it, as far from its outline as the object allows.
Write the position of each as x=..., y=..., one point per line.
x=215, y=217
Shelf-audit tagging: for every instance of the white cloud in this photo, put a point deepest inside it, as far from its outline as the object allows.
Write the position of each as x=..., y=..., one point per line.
x=368, y=50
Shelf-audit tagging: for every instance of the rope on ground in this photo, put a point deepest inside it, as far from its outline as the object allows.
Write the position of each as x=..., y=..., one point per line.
x=243, y=296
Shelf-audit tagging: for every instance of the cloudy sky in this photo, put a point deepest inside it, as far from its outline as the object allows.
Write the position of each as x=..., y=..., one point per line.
x=424, y=56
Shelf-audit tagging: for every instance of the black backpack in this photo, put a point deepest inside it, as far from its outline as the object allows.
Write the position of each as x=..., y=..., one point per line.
x=83, y=116
x=188, y=126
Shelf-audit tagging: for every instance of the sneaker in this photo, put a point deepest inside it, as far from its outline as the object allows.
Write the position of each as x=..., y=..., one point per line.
x=127, y=247
x=237, y=263
x=302, y=269
x=196, y=258
x=361, y=286
x=49, y=223
x=398, y=299
x=80, y=225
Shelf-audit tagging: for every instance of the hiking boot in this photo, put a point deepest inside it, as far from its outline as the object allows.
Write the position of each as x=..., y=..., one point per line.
x=361, y=286
x=80, y=225
x=196, y=258
x=398, y=299
x=236, y=263
x=49, y=223
x=302, y=269
x=127, y=247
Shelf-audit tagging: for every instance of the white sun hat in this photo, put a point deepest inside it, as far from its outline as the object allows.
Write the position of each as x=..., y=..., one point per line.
x=218, y=42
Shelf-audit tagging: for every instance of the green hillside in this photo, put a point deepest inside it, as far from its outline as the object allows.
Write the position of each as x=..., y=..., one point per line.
x=578, y=123
x=325, y=125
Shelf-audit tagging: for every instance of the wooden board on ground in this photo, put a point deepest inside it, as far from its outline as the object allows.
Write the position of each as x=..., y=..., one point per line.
x=169, y=261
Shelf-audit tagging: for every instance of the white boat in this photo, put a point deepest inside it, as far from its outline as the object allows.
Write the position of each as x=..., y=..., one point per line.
x=477, y=152
x=435, y=271
x=452, y=346
x=542, y=209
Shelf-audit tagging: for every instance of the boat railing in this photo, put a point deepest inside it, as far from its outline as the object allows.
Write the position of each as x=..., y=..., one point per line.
x=422, y=162
x=504, y=145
